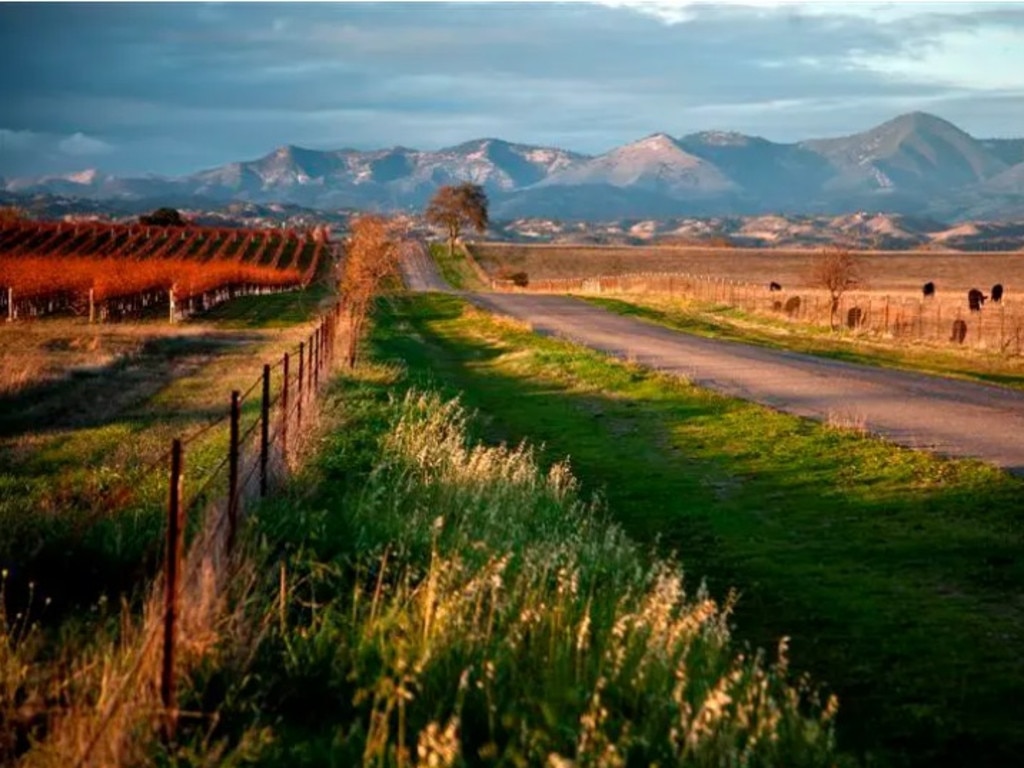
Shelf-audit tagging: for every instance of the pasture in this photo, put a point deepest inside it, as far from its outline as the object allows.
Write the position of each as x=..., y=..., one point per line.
x=892, y=272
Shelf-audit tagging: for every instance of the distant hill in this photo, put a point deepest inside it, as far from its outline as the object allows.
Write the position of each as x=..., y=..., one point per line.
x=915, y=164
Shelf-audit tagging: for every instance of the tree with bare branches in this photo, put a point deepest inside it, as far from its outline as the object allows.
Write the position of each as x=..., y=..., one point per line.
x=837, y=270
x=371, y=255
x=454, y=208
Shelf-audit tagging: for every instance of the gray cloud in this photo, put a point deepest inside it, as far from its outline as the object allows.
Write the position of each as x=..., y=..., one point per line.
x=177, y=87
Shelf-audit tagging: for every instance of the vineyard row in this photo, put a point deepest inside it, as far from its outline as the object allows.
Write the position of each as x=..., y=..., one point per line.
x=113, y=272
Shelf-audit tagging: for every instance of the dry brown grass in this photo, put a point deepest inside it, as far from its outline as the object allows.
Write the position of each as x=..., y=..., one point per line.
x=884, y=271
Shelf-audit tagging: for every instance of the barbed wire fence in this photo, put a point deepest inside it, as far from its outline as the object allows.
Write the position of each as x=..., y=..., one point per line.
x=204, y=513
x=937, y=320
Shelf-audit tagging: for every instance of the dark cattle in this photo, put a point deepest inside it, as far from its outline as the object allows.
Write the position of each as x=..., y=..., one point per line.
x=773, y=286
x=777, y=306
x=928, y=289
x=792, y=305
x=997, y=292
x=959, y=331
x=854, y=317
x=975, y=299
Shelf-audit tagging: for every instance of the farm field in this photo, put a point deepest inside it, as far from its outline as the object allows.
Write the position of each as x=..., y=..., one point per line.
x=891, y=570
x=106, y=271
x=893, y=272
x=87, y=408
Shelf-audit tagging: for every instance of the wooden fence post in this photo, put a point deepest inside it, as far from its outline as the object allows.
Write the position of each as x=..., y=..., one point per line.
x=265, y=430
x=284, y=409
x=92, y=306
x=298, y=407
x=10, y=305
x=316, y=365
x=172, y=570
x=233, y=456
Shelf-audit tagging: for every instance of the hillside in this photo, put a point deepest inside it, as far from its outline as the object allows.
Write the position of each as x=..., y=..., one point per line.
x=916, y=164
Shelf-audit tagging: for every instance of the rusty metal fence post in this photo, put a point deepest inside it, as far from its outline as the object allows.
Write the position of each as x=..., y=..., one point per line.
x=175, y=535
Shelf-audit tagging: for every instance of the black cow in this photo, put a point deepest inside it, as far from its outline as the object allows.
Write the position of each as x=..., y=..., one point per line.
x=854, y=317
x=773, y=286
x=928, y=289
x=997, y=293
x=959, y=331
x=975, y=299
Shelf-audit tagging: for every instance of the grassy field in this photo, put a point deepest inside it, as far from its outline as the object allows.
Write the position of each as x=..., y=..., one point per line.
x=86, y=419
x=433, y=601
x=892, y=272
x=896, y=574
x=720, y=322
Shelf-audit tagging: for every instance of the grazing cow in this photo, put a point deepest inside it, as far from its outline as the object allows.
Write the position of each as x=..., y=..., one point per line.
x=854, y=317
x=997, y=293
x=773, y=286
x=928, y=289
x=792, y=305
x=959, y=331
x=975, y=299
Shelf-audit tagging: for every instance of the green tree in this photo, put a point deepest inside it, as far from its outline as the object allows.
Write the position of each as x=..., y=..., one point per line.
x=453, y=208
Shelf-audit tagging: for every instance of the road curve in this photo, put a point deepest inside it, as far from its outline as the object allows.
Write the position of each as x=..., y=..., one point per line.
x=946, y=416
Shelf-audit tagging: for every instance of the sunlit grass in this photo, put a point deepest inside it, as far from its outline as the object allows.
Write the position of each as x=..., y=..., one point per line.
x=443, y=602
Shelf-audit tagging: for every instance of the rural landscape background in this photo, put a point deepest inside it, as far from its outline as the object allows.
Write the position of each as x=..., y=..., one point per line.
x=676, y=421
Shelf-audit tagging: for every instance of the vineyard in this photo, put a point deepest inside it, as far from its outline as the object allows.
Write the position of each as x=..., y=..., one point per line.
x=112, y=271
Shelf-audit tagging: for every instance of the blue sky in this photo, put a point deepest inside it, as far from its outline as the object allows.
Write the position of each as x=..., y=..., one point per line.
x=173, y=88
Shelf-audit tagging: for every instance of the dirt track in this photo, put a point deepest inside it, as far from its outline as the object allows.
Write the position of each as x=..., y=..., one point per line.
x=950, y=417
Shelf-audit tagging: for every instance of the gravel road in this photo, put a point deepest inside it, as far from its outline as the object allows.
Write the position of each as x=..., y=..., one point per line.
x=953, y=418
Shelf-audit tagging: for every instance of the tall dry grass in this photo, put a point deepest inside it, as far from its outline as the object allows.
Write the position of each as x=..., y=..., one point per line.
x=481, y=612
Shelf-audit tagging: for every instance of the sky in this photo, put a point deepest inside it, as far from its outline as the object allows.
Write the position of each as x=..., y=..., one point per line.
x=136, y=88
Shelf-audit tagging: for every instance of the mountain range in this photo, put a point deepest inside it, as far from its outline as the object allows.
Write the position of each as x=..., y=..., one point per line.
x=915, y=164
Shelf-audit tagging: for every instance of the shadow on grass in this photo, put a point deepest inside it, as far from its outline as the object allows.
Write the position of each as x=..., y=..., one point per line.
x=278, y=310
x=896, y=574
x=97, y=396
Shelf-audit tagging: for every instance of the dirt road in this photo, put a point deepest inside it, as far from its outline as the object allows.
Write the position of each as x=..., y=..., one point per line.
x=950, y=417
x=419, y=271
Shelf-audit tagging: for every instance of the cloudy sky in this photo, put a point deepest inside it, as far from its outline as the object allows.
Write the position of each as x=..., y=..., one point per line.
x=173, y=88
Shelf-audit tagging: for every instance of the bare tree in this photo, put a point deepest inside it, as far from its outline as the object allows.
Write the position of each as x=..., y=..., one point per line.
x=455, y=208
x=836, y=269
x=371, y=255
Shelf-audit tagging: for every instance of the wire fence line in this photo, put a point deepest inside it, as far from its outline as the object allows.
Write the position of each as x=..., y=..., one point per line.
x=941, y=320
x=204, y=514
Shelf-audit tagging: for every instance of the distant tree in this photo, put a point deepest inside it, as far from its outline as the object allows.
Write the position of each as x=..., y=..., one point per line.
x=837, y=270
x=164, y=217
x=456, y=207
x=9, y=214
x=371, y=255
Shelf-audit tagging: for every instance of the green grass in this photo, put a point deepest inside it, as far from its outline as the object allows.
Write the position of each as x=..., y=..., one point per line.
x=278, y=310
x=429, y=596
x=454, y=268
x=897, y=574
x=721, y=322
